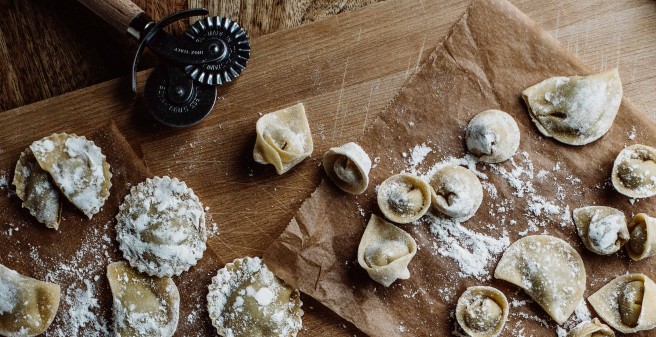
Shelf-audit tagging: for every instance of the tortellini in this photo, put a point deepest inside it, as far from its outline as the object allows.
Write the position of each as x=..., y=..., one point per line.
x=482, y=311
x=627, y=303
x=246, y=299
x=27, y=306
x=348, y=167
x=642, y=241
x=385, y=251
x=634, y=171
x=404, y=198
x=142, y=305
x=283, y=138
x=549, y=270
x=575, y=110
x=592, y=328
x=456, y=192
x=492, y=136
x=602, y=229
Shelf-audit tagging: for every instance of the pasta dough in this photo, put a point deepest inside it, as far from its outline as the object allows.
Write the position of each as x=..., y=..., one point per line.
x=160, y=227
x=143, y=305
x=575, y=110
x=283, y=138
x=492, y=136
x=456, y=192
x=592, y=328
x=482, y=311
x=602, y=229
x=404, y=198
x=348, y=167
x=549, y=270
x=27, y=306
x=627, y=303
x=634, y=171
x=385, y=251
x=642, y=242
x=245, y=299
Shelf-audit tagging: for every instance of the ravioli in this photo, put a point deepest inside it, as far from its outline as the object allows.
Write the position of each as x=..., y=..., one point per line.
x=492, y=136
x=456, y=192
x=642, y=241
x=404, y=198
x=348, y=167
x=602, y=229
x=592, y=328
x=482, y=311
x=634, y=171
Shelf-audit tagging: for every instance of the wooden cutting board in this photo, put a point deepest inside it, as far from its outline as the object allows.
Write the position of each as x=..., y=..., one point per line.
x=345, y=69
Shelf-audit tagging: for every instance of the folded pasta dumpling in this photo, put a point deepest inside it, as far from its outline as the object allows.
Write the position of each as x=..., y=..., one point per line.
x=575, y=110
x=592, y=328
x=385, y=251
x=283, y=138
x=246, y=299
x=456, y=192
x=404, y=198
x=348, y=167
x=602, y=229
x=549, y=270
x=492, y=136
x=627, y=303
x=482, y=311
x=642, y=241
x=634, y=171
x=27, y=306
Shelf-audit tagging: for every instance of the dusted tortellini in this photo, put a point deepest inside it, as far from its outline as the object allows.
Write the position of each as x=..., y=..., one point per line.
x=457, y=192
x=602, y=229
x=549, y=270
x=348, y=167
x=404, y=198
x=482, y=311
x=246, y=299
x=492, y=136
x=634, y=171
x=592, y=328
x=385, y=251
x=283, y=138
x=642, y=241
x=160, y=227
x=27, y=306
x=627, y=303
x=143, y=305
x=575, y=110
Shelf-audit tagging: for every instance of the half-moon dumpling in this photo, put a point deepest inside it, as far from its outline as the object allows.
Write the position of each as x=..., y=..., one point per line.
x=592, y=328
x=77, y=167
x=642, y=241
x=549, y=270
x=457, y=192
x=27, y=306
x=627, y=303
x=385, y=251
x=246, y=299
x=575, y=110
x=348, y=167
x=143, y=305
x=482, y=311
x=283, y=138
x=602, y=229
x=35, y=189
x=634, y=171
x=160, y=227
x=492, y=136
x=404, y=198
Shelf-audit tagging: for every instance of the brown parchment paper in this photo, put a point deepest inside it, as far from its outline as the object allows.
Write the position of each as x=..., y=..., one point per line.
x=488, y=58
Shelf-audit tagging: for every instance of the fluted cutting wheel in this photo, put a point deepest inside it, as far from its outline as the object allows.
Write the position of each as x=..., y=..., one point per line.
x=233, y=42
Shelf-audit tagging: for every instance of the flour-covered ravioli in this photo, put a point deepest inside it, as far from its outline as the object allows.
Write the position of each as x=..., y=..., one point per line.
x=78, y=168
x=404, y=198
x=482, y=311
x=627, y=303
x=142, y=305
x=385, y=251
x=642, y=241
x=549, y=270
x=592, y=328
x=160, y=227
x=283, y=138
x=348, y=167
x=457, y=192
x=492, y=136
x=575, y=110
x=34, y=187
x=27, y=306
x=246, y=299
x=602, y=229
x=634, y=171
